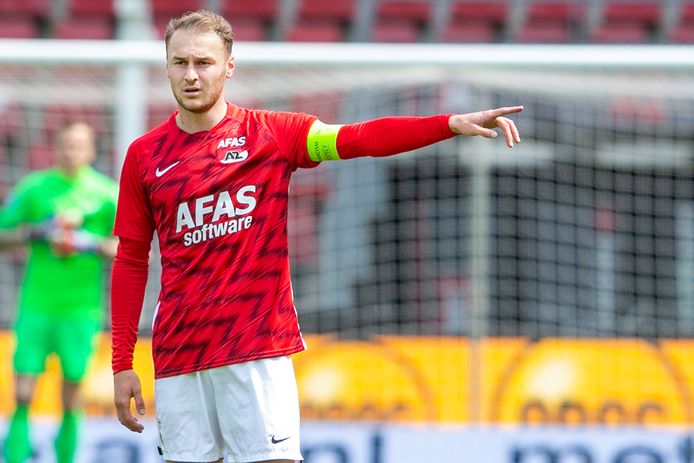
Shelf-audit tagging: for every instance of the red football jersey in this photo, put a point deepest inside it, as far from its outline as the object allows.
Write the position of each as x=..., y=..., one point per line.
x=218, y=202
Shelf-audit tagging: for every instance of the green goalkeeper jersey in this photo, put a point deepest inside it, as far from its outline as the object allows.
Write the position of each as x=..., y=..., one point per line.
x=57, y=284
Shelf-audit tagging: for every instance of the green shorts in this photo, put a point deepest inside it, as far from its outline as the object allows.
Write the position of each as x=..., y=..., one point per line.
x=72, y=339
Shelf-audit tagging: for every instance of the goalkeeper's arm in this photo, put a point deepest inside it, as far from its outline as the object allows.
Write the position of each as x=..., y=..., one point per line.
x=68, y=242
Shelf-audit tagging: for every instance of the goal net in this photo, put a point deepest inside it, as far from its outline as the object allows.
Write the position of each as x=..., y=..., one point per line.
x=585, y=230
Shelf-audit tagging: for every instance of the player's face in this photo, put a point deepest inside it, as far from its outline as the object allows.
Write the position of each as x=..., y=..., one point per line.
x=74, y=148
x=198, y=66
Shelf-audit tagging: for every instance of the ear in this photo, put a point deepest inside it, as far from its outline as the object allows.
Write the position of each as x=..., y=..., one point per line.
x=230, y=66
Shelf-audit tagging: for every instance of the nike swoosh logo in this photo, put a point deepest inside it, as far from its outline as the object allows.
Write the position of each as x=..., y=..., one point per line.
x=277, y=441
x=159, y=173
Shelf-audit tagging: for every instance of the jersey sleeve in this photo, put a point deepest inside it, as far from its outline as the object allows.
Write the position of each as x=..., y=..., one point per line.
x=290, y=131
x=128, y=282
x=386, y=136
x=133, y=213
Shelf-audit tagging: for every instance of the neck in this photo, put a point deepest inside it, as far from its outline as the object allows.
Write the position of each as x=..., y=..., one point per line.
x=197, y=122
x=70, y=172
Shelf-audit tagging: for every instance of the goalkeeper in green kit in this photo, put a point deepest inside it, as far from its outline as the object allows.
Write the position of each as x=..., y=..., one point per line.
x=64, y=215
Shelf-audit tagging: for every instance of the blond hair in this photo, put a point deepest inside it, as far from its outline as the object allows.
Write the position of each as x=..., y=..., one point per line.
x=201, y=20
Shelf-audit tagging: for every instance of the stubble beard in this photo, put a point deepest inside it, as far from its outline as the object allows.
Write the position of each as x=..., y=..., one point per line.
x=198, y=105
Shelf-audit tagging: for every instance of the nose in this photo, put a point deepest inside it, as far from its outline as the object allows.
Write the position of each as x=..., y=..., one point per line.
x=191, y=74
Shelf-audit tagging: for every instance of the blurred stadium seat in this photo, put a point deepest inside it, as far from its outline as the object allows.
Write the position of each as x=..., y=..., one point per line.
x=396, y=31
x=401, y=21
x=164, y=10
x=252, y=21
x=628, y=22
x=683, y=31
x=85, y=27
x=23, y=19
x=552, y=21
x=31, y=8
x=264, y=10
x=322, y=22
x=475, y=21
x=91, y=8
x=522, y=21
x=315, y=31
x=56, y=116
x=18, y=27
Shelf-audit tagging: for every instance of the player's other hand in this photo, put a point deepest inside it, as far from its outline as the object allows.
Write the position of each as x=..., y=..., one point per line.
x=483, y=122
x=126, y=386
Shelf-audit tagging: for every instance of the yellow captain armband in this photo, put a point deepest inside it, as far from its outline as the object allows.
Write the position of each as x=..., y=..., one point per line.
x=322, y=141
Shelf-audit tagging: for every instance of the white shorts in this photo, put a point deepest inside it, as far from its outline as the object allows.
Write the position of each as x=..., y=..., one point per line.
x=247, y=412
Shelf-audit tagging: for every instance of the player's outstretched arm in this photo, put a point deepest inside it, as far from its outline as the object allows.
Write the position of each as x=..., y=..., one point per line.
x=388, y=136
x=483, y=122
x=126, y=387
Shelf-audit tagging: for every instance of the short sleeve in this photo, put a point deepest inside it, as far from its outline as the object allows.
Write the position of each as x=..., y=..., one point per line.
x=133, y=213
x=290, y=131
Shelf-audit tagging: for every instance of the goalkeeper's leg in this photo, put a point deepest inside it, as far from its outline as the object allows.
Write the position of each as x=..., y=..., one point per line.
x=75, y=344
x=67, y=437
x=17, y=445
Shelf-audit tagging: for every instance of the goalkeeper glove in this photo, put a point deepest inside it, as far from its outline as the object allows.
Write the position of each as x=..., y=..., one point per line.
x=68, y=241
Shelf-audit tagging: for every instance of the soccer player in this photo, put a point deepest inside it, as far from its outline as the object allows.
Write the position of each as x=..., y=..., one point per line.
x=65, y=216
x=212, y=180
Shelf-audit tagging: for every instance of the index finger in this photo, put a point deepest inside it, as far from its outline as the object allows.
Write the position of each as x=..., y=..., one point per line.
x=506, y=110
x=125, y=417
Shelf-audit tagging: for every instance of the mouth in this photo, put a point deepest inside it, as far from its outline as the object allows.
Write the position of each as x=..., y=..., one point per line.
x=191, y=91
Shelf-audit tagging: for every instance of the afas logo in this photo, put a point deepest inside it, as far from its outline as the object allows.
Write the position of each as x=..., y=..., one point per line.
x=229, y=156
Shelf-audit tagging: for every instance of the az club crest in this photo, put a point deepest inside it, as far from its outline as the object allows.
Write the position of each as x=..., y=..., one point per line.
x=231, y=156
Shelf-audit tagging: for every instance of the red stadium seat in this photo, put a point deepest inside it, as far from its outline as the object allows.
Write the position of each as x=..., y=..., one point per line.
x=250, y=20
x=552, y=21
x=97, y=28
x=172, y=8
x=164, y=10
x=543, y=10
x=469, y=32
x=265, y=10
x=683, y=31
x=544, y=32
x=475, y=21
x=396, y=31
x=493, y=12
x=401, y=21
x=99, y=8
x=415, y=11
x=628, y=22
x=341, y=10
x=35, y=8
x=621, y=33
x=644, y=12
x=18, y=27
x=249, y=29
x=315, y=31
